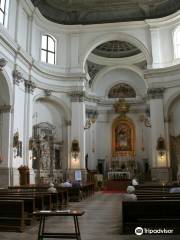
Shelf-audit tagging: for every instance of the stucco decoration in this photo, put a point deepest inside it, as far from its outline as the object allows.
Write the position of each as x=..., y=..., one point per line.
x=122, y=90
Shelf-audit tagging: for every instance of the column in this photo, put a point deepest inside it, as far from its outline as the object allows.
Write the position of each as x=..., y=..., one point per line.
x=160, y=170
x=28, y=112
x=77, y=129
x=5, y=129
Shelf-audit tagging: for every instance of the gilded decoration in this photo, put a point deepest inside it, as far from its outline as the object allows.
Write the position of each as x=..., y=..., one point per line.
x=123, y=137
x=122, y=90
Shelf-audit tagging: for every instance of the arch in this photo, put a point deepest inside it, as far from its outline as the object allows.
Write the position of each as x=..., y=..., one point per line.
x=110, y=37
x=107, y=69
x=57, y=100
x=122, y=90
x=123, y=137
x=170, y=101
x=8, y=87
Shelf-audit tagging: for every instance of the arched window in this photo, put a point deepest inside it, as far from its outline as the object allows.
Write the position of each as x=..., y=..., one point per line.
x=4, y=4
x=177, y=42
x=48, y=45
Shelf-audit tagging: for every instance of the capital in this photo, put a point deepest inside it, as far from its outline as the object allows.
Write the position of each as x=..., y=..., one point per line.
x=17, y=77
x=155, y=93
x=29, y=86
x=3, y=63
x=77, y=96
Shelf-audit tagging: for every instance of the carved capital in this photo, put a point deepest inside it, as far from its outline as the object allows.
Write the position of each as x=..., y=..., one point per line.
x=155, y=93
x=5, y=108
x=29, y=86
x=47, y=92
x=77, y=96
x=3, y=63
x=17, y=77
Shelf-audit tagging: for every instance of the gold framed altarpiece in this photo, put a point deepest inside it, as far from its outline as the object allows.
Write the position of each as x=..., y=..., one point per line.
x=123, y=137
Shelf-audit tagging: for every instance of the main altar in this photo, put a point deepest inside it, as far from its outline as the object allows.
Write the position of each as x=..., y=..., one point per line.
x=122, y=165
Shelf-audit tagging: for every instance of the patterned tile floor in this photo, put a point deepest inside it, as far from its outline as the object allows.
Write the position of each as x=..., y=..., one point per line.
x=102, y=221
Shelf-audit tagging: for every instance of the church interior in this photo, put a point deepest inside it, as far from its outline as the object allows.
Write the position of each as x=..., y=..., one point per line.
x=89, y=105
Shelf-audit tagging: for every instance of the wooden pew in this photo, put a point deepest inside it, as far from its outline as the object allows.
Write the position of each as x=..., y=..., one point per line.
x=150, y=214
x=12, y=215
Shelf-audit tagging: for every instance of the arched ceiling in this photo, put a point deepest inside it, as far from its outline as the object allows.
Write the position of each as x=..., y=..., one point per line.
x=116, y=49
x=104, y=11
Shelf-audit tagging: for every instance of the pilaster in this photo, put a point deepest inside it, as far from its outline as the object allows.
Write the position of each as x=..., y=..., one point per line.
x=159, y=162
x=77, y=129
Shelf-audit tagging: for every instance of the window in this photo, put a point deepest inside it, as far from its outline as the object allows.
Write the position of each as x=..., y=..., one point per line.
x=3, y=11
x=177, y=42
x=48, y=45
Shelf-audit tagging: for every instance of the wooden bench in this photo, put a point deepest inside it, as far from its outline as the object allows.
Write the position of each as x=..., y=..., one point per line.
x=150, y=213
x=12, y=215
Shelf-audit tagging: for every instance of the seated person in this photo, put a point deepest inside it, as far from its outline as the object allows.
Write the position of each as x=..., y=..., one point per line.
x=134, y=182
x=66, y=184
x=130, y=196
x=52, y=189
x=174, y=190
x=76, y=184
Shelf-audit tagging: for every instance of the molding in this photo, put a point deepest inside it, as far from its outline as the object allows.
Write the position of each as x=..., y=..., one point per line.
x=155, y=93
x=160, y=72
x=77, y=96
x=116, y=61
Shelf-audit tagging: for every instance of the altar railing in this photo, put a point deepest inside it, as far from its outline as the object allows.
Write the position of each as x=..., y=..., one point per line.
x=115, y=175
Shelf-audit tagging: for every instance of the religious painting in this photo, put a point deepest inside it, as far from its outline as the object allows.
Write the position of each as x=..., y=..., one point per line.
x=123, y=137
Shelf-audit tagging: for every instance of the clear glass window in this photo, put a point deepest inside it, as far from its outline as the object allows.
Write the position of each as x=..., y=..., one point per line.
x=48, y=45
x=177, y=43
x=2, y=11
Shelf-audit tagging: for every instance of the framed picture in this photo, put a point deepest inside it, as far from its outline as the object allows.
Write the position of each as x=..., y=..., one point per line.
x=78, y=176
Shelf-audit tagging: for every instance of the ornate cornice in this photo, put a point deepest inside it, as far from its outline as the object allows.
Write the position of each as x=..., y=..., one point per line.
x=77, y=96
x=5, y=108
x=155, y=93
x=3, y=63
x=17, y=77
x=29, y=86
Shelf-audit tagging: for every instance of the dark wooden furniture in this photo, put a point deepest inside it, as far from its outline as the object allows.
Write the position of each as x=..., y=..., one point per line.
x=151, y=213
x=64, y=213
x=12, y=215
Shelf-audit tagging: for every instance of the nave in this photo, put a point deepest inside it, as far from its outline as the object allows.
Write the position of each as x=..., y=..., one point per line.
x=102, y=220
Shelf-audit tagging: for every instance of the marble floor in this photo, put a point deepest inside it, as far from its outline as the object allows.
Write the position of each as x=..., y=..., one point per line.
x=102, y=221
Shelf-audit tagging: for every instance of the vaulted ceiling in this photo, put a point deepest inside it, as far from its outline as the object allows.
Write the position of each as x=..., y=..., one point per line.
x=104, y=11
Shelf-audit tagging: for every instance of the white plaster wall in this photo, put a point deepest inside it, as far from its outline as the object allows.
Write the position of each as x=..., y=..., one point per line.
x=22, y=28
x=47, y=111
x=174, y=113
x=104, y=83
